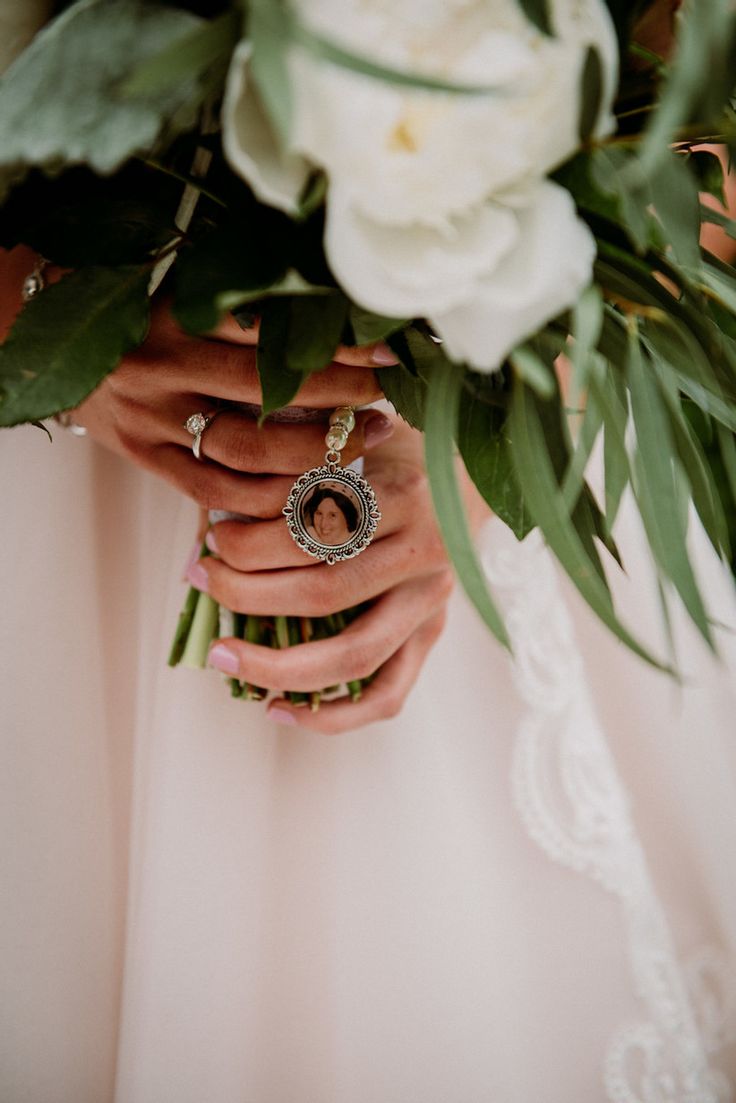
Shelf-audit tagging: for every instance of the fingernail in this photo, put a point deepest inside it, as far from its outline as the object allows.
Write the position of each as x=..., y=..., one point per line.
x=377, y=428
x=383, y=355
x=281, y=716
x=191, y=559
x=211, y=541
x=222, y=658
x=199, y=578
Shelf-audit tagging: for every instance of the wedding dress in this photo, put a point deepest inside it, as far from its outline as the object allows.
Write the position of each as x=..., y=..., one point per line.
x=520, y=890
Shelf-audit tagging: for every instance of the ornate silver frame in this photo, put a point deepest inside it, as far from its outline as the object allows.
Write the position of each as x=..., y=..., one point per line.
x=358, y=487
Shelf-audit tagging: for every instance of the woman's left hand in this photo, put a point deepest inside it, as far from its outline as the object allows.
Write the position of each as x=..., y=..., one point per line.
x=258, y=569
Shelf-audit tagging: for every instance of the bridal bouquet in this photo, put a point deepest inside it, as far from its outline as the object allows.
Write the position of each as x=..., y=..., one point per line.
x=487, y=185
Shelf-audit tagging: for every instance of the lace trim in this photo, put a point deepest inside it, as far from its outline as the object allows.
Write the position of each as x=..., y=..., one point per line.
x=574, y=806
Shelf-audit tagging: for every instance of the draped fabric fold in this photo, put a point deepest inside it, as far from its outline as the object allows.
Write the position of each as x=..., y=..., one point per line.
x=518, y=889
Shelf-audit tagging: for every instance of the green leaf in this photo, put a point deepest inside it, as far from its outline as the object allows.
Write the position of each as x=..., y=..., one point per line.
x=708, y=171
x=591, y=93
x=532, y=369
x=484, y=447
x=587, y=435
x=609, y=391
x=674, y=194
x=297, y=337
x=696, y=467
x=369, y=327
x=187, y=56
x=587, y=323
x=233, y=264
x=271, y=28
x=68, y=338
x=699, y=79
x=315, y=327
x=537, y=12
x=543, y=496
x=325, y=49
x=278, y=385
x=406, y=392
x=656, y=486
x=443, y=401
x=60, y=104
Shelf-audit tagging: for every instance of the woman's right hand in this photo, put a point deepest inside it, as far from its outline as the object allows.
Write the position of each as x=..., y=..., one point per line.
x=140, y=412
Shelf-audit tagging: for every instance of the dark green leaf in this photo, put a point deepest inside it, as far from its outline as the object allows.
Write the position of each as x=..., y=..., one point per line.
x=406, y=392
x=708, y=172
x=484, y=447
x=369, y=327
x=537, y=12
x=443, y=401
x=297, y=337
x=68, y=338
x=315, y=326
x=231, y=265
x=278, y=385
x=591, y=93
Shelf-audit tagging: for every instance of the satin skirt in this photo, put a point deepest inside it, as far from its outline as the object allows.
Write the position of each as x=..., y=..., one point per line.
x=520, y=890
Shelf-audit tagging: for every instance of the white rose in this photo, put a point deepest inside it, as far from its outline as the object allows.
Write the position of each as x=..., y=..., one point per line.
x=439, y=204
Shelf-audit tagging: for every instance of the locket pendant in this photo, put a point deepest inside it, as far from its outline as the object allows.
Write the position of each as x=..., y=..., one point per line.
x=332, y=512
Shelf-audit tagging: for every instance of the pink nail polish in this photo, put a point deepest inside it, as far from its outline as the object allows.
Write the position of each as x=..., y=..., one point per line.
x=191, y=559
x=222, y=658
x=281, y=716
x=383, y=355
x=211, y=541
x=376, y=429
x=199, y=578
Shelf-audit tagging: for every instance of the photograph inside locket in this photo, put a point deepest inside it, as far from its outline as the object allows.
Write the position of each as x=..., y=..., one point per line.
x=331, y=513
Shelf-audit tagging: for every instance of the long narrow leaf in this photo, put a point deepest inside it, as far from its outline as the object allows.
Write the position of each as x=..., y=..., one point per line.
x=657, y=487
x=443, y=404
x=543, y=495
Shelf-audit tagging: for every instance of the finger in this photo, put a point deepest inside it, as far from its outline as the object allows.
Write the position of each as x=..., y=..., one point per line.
x=268, y=545
x=377, y=355
x=227, y=370
x=324, y=589
x=237, y=441
x=244, y=330
x=357, y=652
x=213, y=486
x=383, y=699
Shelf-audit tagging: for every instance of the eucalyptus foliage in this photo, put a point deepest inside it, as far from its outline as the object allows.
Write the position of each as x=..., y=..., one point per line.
x=100, y=120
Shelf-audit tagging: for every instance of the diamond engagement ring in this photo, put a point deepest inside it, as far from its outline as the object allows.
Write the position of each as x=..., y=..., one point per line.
x=196, y=425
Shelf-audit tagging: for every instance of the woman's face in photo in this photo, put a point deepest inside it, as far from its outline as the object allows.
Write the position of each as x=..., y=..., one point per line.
x=329, y=522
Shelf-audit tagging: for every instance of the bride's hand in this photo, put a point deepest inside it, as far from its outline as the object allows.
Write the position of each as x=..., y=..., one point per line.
x=258, y=569
x=140, y=412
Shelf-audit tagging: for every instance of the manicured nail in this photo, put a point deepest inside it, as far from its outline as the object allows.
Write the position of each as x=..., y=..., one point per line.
x=199, y=578
x=222, y=658
x=281, y=716
x=377, y=428
x=191, y=559
x=383, y=355
x=211, y=541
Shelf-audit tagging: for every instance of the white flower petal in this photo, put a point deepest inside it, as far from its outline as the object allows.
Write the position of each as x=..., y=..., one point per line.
x=414, y=269
x=551, y=264
x=250, y=145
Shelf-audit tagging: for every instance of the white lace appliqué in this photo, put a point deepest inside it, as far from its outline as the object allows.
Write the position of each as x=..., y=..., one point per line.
x=574, y=806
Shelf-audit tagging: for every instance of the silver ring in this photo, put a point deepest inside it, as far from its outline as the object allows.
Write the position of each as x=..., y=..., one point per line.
x=196, y=425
